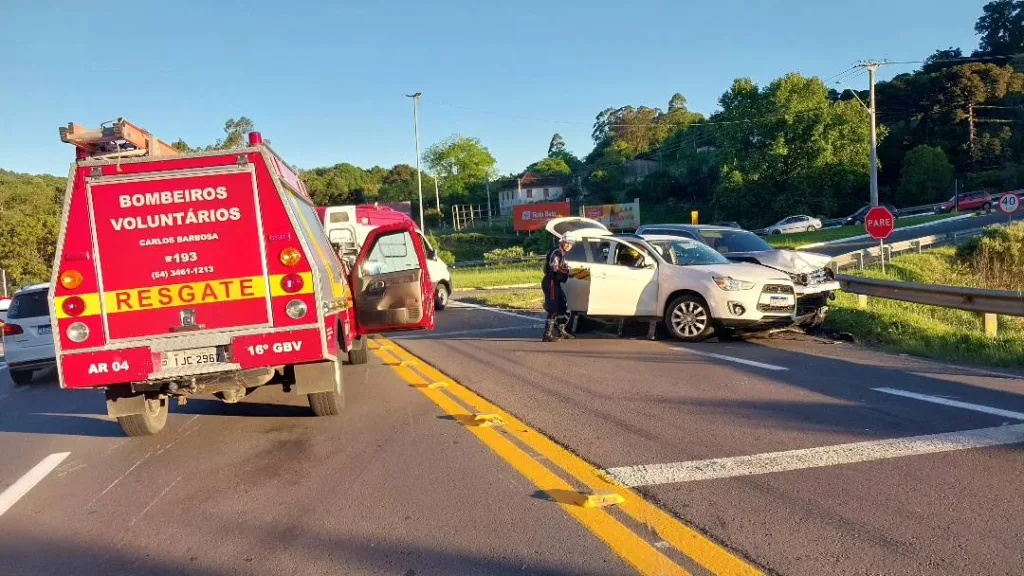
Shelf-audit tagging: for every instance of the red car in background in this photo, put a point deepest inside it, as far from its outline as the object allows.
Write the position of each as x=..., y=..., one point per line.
x=968, y=202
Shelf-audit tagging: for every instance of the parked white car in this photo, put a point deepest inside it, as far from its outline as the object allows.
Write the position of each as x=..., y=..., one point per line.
x=28, y=337
x=794, y=224
x=683, y=283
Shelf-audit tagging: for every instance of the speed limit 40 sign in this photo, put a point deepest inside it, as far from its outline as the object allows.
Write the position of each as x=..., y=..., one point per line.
x=1009, y=203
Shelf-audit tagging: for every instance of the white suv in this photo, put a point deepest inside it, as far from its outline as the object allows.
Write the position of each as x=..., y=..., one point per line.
x=686, y=284
x=28, y=340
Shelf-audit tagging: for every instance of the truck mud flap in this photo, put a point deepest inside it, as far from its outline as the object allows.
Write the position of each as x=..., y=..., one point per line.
x=317, y=377
x=125, y=403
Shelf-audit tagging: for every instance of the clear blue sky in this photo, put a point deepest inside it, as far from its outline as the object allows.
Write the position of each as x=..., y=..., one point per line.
x=325, y=81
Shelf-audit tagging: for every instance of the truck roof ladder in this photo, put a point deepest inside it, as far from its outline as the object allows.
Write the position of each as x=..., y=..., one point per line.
x=118, y=138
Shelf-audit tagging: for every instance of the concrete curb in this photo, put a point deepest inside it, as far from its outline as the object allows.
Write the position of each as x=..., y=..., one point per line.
x=865, y=236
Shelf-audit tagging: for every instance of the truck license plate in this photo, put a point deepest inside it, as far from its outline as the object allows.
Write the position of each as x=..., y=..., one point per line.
x=192, y=357
x=779, y=301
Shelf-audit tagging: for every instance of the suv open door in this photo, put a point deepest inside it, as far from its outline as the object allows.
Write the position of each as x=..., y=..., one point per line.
x=391, y=286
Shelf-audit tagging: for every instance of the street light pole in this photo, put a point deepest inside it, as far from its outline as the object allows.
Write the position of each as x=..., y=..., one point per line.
x=437, y=194
x=872, y=67
x=416, y=127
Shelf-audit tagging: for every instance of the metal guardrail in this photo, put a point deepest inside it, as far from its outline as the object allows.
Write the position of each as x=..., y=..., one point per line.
x=861, y=258
x=987, y=303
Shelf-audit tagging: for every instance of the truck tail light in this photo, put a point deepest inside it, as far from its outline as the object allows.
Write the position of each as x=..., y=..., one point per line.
x=71, y=279
x=73, y=306
x=78, y=332
x=12, y=329
x=291, y=283
x=290, y=256
x=296, y=309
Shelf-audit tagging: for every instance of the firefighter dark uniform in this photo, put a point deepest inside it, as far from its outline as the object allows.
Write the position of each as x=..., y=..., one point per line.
x=556, y=271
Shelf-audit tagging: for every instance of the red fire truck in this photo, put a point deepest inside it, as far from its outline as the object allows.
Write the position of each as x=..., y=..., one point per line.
x=209, y=273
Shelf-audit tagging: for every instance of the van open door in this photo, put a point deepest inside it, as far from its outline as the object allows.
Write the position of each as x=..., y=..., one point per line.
x=391, y=287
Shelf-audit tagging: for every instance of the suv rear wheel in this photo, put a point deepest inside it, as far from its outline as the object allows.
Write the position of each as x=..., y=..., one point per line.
x=150, y=422
x=688, y=318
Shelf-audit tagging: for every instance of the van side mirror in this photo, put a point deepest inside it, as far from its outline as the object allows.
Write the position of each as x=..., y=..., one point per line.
x=430, y=252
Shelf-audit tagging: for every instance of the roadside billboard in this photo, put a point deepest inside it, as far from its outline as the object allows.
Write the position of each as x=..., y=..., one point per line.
x=615, y=216
x=530, y=217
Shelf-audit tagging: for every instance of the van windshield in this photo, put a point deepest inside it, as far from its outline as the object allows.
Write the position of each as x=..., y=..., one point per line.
x=686, y=252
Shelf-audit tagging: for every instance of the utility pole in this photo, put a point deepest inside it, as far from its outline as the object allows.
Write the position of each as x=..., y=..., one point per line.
x=972, y=133
x=489, y=213
x=416, y=127
x=872, y=67
x=437, y=195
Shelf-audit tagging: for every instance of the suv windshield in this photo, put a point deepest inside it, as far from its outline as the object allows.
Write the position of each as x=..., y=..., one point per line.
x=29, y=305
x=727, y=241
x=685, y=252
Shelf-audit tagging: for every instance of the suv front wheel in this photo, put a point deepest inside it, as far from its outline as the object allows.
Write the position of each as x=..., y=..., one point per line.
x=688, y=319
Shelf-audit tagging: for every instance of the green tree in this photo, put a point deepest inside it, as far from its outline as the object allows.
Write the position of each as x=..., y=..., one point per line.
x=926, y=177
x=941, y=59
x=550, y=167
x=30, y=207
x=235, y=131
x=557, y=145
x=788, y=148
x=1001, y=27
x=459, y=162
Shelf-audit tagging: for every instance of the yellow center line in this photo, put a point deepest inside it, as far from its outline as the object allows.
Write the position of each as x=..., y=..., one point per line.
x=693, y=544
x=625, y=543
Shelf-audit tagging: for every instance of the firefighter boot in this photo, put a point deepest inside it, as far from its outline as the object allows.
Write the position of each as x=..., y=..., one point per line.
x=549, y=332
x=563, y=333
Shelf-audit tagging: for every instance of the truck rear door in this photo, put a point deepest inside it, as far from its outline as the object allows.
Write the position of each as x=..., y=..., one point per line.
x=179, y=251
x=391, y=286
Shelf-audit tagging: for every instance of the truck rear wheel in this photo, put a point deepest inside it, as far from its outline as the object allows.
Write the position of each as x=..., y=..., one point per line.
x=150, y=422
x=329, y=403
x=360, y=352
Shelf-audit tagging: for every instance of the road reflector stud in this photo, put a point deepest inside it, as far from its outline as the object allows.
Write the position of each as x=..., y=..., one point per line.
x=408, y=363
x=436, y=385
x=602, y=499
x=488, y=420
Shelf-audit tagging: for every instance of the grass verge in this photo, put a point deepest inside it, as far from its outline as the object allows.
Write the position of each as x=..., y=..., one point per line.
x=932, y=332
x=525, y=299
x=490, y=276
x=790, y=241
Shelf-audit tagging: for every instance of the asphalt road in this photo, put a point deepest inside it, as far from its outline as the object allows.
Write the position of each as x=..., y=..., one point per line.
x=899, y=235
x=921, y=478
x=777, y=455
x=393, y=486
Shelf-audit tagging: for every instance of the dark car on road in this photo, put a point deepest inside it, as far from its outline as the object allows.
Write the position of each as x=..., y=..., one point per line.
x=858, y=216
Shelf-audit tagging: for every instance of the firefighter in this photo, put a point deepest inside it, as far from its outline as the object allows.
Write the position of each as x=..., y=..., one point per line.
x=556, y=271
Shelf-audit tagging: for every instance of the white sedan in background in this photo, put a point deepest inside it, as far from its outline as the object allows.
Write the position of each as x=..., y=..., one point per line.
x=794, y=224
x=681, y=282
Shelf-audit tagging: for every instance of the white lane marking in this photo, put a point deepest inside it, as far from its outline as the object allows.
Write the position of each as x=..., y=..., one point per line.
x=15, y=491
x=651, y=474
x=732, y=359
x=119, y=478
x=439, y=335
x=155, y=500
x=953, y=403
x=495, y=310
